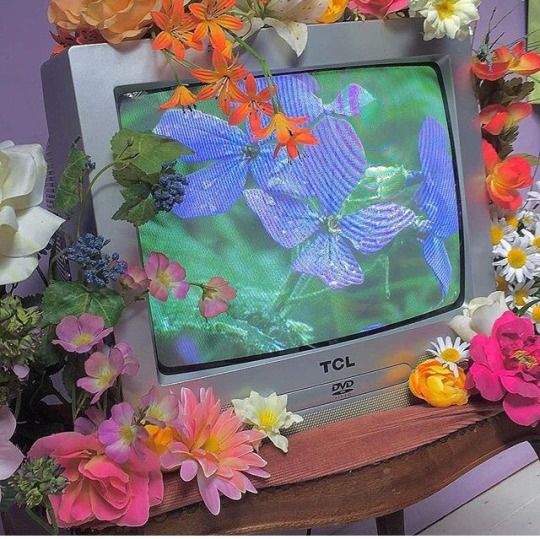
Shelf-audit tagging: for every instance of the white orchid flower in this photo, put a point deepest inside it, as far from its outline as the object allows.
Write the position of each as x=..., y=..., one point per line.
x=267, y=415
x=25, y=228
x=10, y=456
x=287, y=17
x=479, y=316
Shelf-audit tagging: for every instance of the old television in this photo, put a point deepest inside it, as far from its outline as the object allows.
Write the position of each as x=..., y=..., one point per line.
x=347, y=262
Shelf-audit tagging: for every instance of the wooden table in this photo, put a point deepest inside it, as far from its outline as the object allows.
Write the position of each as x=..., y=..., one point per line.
x=381, y=489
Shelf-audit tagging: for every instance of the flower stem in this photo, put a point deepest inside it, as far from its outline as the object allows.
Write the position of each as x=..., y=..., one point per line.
x=51, y=530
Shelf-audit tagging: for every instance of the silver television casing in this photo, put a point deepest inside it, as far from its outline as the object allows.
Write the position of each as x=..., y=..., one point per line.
x=81, y=88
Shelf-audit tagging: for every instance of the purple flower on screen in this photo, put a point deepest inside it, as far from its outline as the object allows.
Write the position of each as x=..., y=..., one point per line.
x=304, y=209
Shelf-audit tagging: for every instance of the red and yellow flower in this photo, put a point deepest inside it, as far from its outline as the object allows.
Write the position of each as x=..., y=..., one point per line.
x=496, y=119
x=504, y=60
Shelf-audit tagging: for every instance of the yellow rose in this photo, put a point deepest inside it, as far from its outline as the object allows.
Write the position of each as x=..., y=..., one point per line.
x=437, y=385
x=334, y=11
x=116, y=20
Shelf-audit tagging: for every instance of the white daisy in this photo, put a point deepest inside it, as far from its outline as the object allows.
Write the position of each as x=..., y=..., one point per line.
x=449, y=353
x=520, y=294
x=534, y=314
x=501, y=230
x=529, y=219
x=451, y=18
x=534, y=236
x=519, y=260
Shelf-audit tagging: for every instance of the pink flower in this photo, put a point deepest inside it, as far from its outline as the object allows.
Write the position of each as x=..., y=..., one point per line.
x=121, y=435
x=215, y=296
x=100, y=488
x=214, y=449
x=378, y=8
x=90, y=423
x=81, y=334
x=103, y=371
x=166, y=277
x=159, y=408
x=10, y=456
x=506, y=365
x=135, y=278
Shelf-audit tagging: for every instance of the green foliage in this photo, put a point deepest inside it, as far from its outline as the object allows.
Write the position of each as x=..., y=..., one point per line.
x=68, y=193
x=139, y=206
x=63, y=299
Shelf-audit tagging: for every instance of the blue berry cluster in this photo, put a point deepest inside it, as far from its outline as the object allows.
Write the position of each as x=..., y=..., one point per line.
x=169, y=191
x=98, y=268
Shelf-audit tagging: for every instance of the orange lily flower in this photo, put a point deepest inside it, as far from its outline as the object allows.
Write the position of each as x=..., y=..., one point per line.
x=505, y=60
x=496, y=119
x=251, y=103
x=504, y=178
x=212, y=19
x=181, y=97
x=176, y=27
x=221, y=81
x=289, y=133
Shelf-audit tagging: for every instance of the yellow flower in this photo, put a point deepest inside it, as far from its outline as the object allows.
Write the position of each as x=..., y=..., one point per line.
x=160, y=438
x=437, y=385
x=334, y=11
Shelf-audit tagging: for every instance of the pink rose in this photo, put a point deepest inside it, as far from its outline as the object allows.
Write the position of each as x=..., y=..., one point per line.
x=99, y=488
x=506, y=365
x=378, y=8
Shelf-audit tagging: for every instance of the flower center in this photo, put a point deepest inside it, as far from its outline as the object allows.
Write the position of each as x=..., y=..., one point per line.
x=535, y=314
x=267, y=418
x=517, y=257
x=251, y=151
x=512, y=221
x=497, y=234
x=212, y=444
x=164, y=278
x=105, y=377
x=445, y=8
x=520, y=296
x=536, y=242
x=127, y=433
x=501, y=283
x=450, y=354
x=82, y=338
x=331, y=224
x=525, y=359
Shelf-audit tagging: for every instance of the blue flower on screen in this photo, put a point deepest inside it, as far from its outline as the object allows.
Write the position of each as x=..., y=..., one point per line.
x=304, y=209
x=232, y=157
x=437, y=199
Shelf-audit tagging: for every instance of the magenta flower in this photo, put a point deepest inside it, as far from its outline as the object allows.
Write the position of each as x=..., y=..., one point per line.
x=166, y=277
x=121, y=435
x=506, y=365
x=103, y=371
x=81, y=334
x=215, y=296
x=135, y=278
x=160, y=407
x=90, y=423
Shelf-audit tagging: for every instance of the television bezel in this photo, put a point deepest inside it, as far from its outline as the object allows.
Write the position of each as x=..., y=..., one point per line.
x=81, y=89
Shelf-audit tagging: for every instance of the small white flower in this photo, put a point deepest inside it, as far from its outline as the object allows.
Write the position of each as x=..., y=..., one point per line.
x=451, y=18
x=534, y=236
x=501, y=230
x=534, y=314
x=267, y=415
x=519, y=259
x=521, y=294
x=529, y=219
x=449, y=353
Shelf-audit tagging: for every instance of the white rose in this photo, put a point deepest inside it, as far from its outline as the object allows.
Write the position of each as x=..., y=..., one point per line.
x=25, y=228
x=479, y=315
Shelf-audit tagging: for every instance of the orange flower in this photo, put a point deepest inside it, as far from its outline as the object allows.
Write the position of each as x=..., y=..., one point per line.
x=505, y=60
x=160, y=438
x=221, y=81
x=251, y=103
x=176, y=27
x=504, y=178
x=213, y=18
x=289, y=133
x=524, y=63
x=496, y=119
x=436, y=384
x=181, y=97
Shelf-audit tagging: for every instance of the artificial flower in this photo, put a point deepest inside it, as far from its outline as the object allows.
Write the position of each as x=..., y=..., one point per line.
x=479, y=315
x=166, y=277
x=65, y=39
x=215, y=297
x=176, y=27
x=496, y=119
x=251, y=103
x=521, y=293
x=121, y=435
x=378, y=8
x=102, y=371
x=334, y=11
x=449, y=353
x=10, y=456
x=531, y=221
x=268, y=415
x=451, y=18
x=212, y=19
x=160, y=407
x=506, y=366
x=534, y=238
x=135, y=278
x=501, y=230
x=100, y=488
x=90, y=422
x=182, y=97
x=533, y=312
x=438, y=385
x=66, y=14
x=505, y=177
x=504, y=60
x=25, y=227
x=213, y=448
x=519, y=260
x=81, y=334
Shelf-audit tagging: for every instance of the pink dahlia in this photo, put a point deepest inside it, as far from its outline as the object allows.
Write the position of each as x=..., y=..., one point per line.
x=213, y=448
x=506, y=365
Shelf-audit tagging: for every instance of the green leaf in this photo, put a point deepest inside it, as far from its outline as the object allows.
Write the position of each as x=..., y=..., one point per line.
x=137, y=214
x=534, y=160
x=63, y=299
x=69, y=189
x=131, y=175
x=146, y=151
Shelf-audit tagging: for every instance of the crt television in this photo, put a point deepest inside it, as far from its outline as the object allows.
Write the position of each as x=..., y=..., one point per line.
x=347, y=261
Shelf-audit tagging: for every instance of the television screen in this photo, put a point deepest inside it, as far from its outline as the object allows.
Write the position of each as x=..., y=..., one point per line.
x=361, y=233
